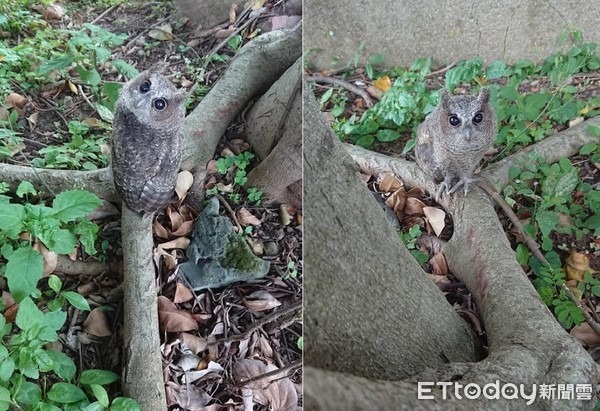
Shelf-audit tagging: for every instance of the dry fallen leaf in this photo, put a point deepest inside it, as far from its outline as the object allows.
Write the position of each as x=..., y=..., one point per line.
x=435, y=217
x=261, y=301
x=194, y=343
x=163, y=33
x=182, y=294
x=383, y=83
x=586, y=334
x=172, y=319
x=390, y=183
x=414, y=206
x=245, y=218
x=16, y=101
x=181, y=242
x=50, y=258
x=277, y=392
x=576, y=265
x=185, y=179
x=439, y=265
x=97, y=324
x=375, y=92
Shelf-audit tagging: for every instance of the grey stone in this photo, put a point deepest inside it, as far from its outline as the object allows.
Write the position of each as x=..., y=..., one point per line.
x=448, y=31
x=217, y=255
x=271, y=248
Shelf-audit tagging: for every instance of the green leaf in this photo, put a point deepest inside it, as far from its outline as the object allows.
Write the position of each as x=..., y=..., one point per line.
x=55, y=283
x=386, y=135
x=65, y=393
x=111, y=89
x=588, y=148
x=90, y=77
x=11, y=217
x=496, y=70
x=73, y=204
x=326, y=96
x=23, y=271
x=76, y=300
x=56, y=64
x=62, y=364
x=7, y=368
x=5, y=400
x=60, y=241
x=104, y=112
x=593, y=223
x=300, y=343
x=533, y=105
x=25, y=187
x=102, y=55
x=546, y=220
x=29, y=393
x=522, y=254
x=100, y=377
x=100, y=393
x=125, y=404
x=566, y=184
x=55, y=319
x=95, y=406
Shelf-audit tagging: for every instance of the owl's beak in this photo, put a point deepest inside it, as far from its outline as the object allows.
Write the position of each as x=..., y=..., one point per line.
x=468, y=133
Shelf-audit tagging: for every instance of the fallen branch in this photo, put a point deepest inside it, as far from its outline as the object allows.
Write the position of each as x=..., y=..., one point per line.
x=77, y=267
x=344, y=84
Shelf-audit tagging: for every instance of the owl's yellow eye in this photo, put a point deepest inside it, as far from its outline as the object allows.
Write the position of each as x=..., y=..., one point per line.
x=145, y=87
x=454, y=120
x=159, y=103
x=478, y=118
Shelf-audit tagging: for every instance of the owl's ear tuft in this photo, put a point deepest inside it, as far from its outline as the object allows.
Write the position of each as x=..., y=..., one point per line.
x=444, y=98
x=484, y=95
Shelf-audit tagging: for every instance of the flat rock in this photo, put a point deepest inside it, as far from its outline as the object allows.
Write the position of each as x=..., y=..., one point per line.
x=217, y=255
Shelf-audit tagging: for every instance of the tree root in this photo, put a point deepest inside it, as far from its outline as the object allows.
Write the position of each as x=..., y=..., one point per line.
x=251, y=72
x=143, y=371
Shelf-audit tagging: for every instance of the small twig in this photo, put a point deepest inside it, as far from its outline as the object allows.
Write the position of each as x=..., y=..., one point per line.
x=530, y=242
x=105, y=13
x=292, y=366
x=267, y=319
x=231, y=212
x=442, y=70
x=69, y=267
x=351, y=87
x=87, y=100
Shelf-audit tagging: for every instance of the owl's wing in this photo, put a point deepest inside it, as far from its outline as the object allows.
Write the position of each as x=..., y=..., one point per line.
x=162, y=178
x=426, y=156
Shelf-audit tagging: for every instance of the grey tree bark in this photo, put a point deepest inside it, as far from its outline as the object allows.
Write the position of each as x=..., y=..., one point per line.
x=526, y=343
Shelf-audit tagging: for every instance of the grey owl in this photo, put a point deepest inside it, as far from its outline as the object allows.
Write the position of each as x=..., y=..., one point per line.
x=146, y=148
x=453, y=139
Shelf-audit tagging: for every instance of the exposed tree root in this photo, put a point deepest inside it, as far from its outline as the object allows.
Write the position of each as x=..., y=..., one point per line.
x=143, y=371
x=527, y=345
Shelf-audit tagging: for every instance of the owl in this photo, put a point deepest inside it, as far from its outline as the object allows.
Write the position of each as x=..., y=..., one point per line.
x=145, y=145
x=453, y=138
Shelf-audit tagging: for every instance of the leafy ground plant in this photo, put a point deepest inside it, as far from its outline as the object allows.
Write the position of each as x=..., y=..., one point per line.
x=28, y=233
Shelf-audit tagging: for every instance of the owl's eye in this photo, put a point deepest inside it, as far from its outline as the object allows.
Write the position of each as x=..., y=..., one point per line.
x=145, y=87
x=478, y=118
x=159, y=103
x=454, y=120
